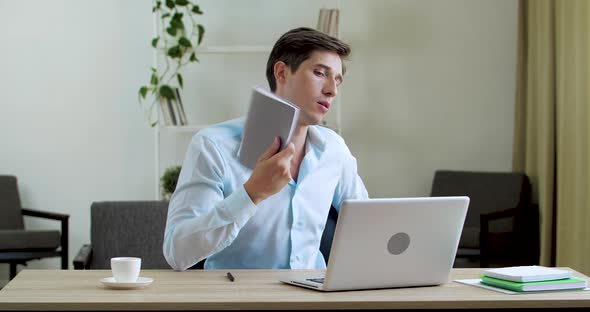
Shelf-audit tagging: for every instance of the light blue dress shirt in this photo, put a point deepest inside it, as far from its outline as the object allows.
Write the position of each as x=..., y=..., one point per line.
x=211, y=215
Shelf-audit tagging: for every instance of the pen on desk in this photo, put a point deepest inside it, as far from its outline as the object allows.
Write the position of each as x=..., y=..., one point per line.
x=230, y=277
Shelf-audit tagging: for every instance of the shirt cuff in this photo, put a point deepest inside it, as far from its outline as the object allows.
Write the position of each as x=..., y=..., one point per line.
x=239, y=207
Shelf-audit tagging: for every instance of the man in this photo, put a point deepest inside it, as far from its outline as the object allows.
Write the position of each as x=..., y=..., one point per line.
x=271, y=217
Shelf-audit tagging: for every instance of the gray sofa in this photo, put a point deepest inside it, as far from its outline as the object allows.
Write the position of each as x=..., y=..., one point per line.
x=502, y=225
x=136, y=229
x=125, y=228
x=19, y=245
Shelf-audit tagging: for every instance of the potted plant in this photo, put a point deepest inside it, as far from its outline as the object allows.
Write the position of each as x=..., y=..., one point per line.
x=178, y=37
x=168, y=181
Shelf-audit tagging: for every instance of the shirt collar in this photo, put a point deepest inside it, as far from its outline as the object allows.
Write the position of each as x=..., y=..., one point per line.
x=316, y=138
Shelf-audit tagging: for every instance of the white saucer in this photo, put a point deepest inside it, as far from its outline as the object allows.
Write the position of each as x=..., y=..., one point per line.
x=141, y=282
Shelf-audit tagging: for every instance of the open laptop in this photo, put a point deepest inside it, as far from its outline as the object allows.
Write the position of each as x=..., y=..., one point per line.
x=391, y=242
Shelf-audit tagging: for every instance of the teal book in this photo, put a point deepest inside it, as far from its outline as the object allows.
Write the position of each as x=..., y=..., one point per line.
x=561, y=284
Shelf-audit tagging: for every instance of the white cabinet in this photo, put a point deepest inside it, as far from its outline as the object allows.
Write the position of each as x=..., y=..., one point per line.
x=239, y=37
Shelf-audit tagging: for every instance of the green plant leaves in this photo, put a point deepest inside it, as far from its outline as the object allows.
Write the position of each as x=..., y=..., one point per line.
x=193, y=57
x=196, y=9
x=174, y=52
x=157, y=6
x=169, y=179
x=171, y=31
x=176, y=23
x=166, y=92
x=184, y=42
x=178, y=35
x=201, y=32
x=180, y=80
x=177, y=16
x=143, y=91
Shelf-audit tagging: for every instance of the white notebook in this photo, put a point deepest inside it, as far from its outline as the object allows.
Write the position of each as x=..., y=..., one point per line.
x=532, y=273
x=269, y=116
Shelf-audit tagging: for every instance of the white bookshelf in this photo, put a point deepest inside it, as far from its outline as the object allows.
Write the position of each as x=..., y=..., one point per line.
x=233, y=49
x=184, y=129
x=218, y=87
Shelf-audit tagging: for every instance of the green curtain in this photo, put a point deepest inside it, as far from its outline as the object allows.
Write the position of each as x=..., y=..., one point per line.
x=551, y=140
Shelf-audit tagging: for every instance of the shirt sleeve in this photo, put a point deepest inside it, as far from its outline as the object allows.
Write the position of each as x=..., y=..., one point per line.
x=201, y=220
x=350, y=185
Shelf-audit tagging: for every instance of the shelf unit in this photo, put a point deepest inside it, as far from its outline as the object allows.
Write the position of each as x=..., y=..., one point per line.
x=234, y=49
x=171, y=141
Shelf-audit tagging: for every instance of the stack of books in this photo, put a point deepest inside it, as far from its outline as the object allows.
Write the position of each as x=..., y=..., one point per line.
x=173, y=111
x=531, y=278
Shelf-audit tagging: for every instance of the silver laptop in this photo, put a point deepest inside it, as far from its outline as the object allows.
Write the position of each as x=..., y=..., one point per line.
x=390, y=242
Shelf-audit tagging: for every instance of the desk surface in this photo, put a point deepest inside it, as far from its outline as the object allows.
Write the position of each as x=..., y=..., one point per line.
x=252, y=289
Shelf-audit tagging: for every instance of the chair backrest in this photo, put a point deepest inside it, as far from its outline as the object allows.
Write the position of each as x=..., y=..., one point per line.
x=128, y=228
x=488, y=192
x=328, y=234
x=136, y=229
x=11, y=217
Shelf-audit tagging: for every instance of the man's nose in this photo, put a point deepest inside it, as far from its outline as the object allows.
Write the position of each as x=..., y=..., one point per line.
x=330, y=88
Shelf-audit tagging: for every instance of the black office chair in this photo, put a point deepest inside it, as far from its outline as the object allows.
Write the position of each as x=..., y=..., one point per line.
x=17, y=245
x=328, y=235
x=502, y=225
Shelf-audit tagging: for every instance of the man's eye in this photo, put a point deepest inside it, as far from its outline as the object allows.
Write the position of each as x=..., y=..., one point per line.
x=319, y=73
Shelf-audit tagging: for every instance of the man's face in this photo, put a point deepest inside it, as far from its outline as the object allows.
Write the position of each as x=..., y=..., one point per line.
x=312, y=86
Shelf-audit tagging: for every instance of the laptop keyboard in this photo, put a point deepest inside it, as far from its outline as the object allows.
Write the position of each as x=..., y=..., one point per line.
x=317, y=280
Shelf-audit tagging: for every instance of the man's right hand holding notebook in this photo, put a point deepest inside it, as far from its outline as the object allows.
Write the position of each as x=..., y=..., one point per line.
x=272, y=172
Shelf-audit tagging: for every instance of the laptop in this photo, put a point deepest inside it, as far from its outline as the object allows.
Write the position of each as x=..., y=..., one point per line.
x=390, y=242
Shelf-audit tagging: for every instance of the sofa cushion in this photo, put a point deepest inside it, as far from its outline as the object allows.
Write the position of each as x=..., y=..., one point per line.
x=21, y=239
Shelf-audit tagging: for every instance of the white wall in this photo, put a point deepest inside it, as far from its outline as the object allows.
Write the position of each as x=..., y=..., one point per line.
x=71, y=128
x=430, y=85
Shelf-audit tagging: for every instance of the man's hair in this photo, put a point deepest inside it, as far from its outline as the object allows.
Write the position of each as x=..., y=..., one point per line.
x=297, y=45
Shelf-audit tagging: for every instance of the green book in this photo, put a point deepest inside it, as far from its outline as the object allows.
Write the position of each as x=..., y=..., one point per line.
x=566, y=283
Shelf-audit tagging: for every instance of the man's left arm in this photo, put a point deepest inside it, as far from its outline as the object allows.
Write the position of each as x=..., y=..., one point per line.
x=350, y=184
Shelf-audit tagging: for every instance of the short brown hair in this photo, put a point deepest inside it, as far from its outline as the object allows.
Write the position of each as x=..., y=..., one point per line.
x=297, y=45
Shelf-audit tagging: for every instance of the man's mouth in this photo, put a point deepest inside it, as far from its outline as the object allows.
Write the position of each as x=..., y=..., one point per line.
x=325, y=105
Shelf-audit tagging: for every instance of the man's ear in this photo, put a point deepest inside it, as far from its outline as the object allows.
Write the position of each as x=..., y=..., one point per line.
x=281, y=70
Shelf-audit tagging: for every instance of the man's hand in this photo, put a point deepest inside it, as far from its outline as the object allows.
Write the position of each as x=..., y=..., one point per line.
x=272, y=172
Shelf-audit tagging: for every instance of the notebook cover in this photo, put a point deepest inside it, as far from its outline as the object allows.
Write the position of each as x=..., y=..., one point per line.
x=269, y=116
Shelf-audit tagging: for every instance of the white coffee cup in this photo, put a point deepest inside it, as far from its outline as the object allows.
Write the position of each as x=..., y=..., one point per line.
x=125, y=269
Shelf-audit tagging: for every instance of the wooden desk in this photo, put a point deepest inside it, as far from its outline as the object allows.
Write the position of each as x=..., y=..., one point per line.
x=253, y=289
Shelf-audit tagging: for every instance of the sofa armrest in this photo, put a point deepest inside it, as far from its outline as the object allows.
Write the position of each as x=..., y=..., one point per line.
x=485, y=218
x=83, y=258
x=64, y=219
x=44, y=214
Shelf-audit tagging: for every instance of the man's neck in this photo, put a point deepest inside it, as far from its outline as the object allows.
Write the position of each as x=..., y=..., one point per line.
x=298, y=138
